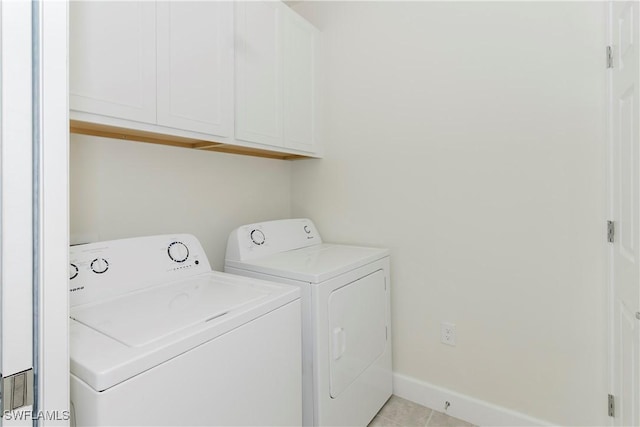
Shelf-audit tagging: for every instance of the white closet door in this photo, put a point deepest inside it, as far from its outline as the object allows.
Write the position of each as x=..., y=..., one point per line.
x=34, y=245
x=258, y=62
x=113, y=58
x=17, y=189
x=195, y=66
x=300, y=39
x=625, y=211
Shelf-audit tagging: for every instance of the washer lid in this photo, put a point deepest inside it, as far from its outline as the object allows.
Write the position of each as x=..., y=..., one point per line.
x=122, y=337
x=313, y=264
x=140, y=318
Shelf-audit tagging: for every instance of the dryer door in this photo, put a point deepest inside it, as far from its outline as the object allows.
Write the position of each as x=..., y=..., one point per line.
x=357, y=329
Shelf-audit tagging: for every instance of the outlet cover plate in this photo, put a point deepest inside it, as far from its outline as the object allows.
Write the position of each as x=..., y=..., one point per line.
x=448, y=333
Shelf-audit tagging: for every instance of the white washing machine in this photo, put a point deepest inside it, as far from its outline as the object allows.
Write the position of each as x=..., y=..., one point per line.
x=157, y=338
x=346, y=337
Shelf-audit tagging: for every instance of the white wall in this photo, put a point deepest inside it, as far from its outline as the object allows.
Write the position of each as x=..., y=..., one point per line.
x=124, y=189
x=469, y=138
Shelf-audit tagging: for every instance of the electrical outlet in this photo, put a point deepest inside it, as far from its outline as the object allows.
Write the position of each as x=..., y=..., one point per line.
x=448, y=333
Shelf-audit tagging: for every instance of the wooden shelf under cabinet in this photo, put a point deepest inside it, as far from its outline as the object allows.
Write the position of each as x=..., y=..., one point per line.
x=106, y=131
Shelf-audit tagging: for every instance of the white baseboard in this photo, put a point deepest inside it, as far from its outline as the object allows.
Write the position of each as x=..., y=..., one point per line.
x=464, y=407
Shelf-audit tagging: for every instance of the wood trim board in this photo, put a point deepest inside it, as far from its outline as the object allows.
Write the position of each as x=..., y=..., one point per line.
x=106, y=131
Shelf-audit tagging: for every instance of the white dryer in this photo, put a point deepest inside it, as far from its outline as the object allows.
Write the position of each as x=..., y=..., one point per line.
x=346, y=337
x=157, y=338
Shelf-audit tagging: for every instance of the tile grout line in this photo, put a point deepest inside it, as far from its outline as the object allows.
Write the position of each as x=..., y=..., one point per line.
x=429, y=419
x=386, y=418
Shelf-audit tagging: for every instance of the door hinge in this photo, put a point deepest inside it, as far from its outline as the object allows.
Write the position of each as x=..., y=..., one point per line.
x=611, y=231
x=17, y=390
x=612, y=405
x=609, y=57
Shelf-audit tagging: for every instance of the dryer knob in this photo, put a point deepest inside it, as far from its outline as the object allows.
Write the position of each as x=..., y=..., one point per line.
x=257, y=237
x=178, y=251
x=73, y=271
x=99, y=265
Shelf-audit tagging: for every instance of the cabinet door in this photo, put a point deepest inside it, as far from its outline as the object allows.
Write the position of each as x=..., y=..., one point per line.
x=113, y=59
x=195, y=66
x=259, y=72
x=300, y=101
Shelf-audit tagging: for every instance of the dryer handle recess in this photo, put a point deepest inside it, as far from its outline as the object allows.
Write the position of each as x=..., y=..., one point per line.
x=339, y=342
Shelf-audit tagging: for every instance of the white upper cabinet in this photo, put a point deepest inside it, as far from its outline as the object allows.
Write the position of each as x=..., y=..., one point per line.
x=113, y=59
x=195, y=66
x=300, y=98
x=258, y=61
x=275, y=76
x=211, y=75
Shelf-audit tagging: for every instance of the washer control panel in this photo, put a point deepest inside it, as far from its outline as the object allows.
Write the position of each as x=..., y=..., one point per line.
x=99, y=265
x=257, y=237
x=265, y=238
x=107, y=269
x=178, y=251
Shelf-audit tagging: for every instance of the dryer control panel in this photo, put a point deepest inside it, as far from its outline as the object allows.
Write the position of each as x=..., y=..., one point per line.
x=265, y=238
x=108, y=269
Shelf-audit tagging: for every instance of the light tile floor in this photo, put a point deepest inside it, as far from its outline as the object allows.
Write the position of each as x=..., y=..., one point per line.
x=399, y=412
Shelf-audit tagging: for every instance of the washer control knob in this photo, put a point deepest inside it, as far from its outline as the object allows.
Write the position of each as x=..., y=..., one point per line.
x=178, y=251
x=257, y=237
x=99, y=265
x=73, y=271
